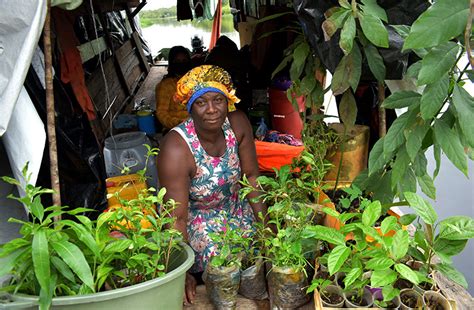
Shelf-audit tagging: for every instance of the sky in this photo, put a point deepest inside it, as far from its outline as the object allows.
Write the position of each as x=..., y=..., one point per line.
x=156, y=4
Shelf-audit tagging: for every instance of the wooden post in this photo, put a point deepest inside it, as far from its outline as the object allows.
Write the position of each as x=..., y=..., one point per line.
x=51, y=121
x=382, y=114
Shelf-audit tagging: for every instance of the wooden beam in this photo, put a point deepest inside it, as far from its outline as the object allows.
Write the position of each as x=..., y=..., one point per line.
x=118, y=68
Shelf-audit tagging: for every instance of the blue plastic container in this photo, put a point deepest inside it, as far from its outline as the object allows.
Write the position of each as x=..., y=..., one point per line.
x=146, y=122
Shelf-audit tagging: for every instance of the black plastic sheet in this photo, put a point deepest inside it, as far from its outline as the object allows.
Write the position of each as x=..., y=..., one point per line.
x=399, y=12
x=81, y=168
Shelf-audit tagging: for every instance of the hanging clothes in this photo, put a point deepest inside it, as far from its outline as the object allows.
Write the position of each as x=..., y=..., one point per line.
x=216, y=26
x=70, y=60
x=183, y=10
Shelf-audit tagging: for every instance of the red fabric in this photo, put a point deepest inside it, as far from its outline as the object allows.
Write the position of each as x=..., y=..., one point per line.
x=216, y=26
x=70, y=60
x=274, y=155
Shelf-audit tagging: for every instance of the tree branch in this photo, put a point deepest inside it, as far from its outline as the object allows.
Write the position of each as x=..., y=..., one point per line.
x=467, y=35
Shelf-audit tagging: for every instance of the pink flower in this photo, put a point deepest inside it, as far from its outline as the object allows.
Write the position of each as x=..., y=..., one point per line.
x=195, y=144
x=231, y=140
x=215, y=161
x=221, y=182
x=190, y=128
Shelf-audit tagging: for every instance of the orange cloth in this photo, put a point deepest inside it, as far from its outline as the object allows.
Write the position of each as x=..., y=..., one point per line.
x=168, y=112
x=274, y=155
x=216, y=26
x=70, y=59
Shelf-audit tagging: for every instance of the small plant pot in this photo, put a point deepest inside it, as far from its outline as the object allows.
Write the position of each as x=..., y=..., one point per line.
x=332, y=296
x=403, y=284
x=366, y=300
x=393, y=304
x=434, y=300
x=252, y=282
x=410, y=299
x=222, y=285
x=287, y=288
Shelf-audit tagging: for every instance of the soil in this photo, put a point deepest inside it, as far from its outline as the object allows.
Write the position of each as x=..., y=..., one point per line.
x=432, y=304
x=409, y=300
x=332, y=298
x=401, y=284
x=358, y=300
x=426, y=286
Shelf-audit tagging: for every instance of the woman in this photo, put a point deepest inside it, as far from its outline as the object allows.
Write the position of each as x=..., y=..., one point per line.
x=202, y=160
x=168, y=113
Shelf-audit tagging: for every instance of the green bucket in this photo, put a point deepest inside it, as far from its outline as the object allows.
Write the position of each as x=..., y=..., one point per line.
x=165, y=292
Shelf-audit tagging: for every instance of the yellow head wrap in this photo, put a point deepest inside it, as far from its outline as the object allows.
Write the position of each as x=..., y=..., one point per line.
x=201, y=80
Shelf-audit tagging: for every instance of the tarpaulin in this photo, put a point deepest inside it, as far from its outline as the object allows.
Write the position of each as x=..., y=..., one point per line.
x=274, y=155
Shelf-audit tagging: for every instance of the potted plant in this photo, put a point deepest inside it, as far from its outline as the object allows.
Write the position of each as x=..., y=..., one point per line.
x=113, y=262
x=377, y=262
x=285, y=248
x=324, y=287
x=222, y=275
x=443, y=239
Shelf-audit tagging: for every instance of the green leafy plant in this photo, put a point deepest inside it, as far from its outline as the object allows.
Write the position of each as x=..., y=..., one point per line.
x=439, y=110
x=443, y=239
x=378, y=261
x=231, y=245
x=72, y=256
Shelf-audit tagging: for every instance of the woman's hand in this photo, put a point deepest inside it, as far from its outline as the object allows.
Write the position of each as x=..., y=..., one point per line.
x=189, y=289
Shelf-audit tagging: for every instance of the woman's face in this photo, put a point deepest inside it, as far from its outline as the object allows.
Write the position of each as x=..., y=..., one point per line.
x=209, y=111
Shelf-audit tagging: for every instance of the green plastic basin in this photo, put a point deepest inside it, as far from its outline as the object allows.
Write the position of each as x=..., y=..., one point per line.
x=165, y=292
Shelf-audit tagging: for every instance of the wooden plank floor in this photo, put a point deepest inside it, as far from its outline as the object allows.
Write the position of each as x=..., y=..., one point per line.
x=203, y=303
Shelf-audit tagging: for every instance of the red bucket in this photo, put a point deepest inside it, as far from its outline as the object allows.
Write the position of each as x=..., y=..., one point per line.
x=284, y=117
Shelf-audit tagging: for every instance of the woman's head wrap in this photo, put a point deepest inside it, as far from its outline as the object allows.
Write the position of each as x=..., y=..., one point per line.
x=201, y=80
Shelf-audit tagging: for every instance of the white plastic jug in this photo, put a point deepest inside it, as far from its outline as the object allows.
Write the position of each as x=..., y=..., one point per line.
x=128, y=150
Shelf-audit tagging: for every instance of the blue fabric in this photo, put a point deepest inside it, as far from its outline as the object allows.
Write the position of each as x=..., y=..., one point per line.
x=199, y=93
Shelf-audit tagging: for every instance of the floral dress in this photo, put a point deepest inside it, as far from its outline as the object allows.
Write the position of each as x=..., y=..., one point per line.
x=214, y=194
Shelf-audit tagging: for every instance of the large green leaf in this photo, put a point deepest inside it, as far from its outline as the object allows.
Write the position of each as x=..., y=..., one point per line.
x=40, y=256
x=415, y=136
x=334, y=22
x=401, y=99
x=407, y=273
x=464, y=105
x=452, y=273
x=374, y=30
x=377, y=160
x=75, y=259
x=400, y=165
x=351, y=276
x=347, y=35
x=84, y=235
x=399, y=246
x=348, y=109
x=63, y=268
x=380, y=278
x=379, y=263
x=395, y=136
x=370, y=7
x=376, y=65
x=444, y=20
x=299, y=58
x=456, y=228
x=324, y=233
x=37, y=208
x=422, y=208
x=437, y=63
x=347, y=72
x=337, y=257
x=433, y=97
x=388, y=223
x=371, y=213
x=449, y=247
x=451, y=145
x=427, y=186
